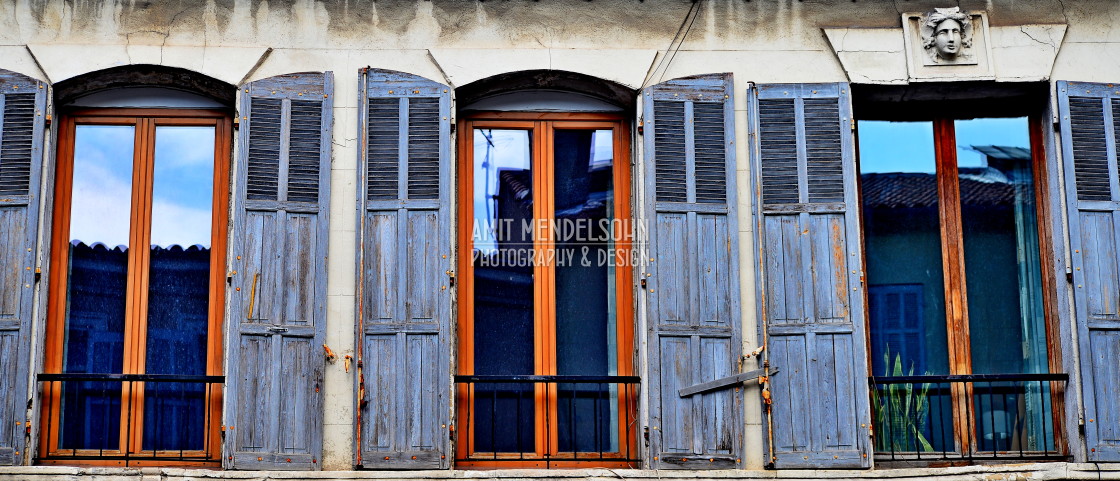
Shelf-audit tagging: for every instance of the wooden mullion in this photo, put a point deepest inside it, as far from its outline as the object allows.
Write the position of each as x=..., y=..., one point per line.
x=223, y=139
x=135, y=283
x=540, y=285
x=952, y=258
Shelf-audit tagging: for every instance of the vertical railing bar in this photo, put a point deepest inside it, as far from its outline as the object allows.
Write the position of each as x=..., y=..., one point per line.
x=183, y=423
x=470, y=408
x=1022, y=425
x=941, y=418
x=547, y=426
x=598, y=420
x=917, y=434
x=50, y=415
x=128, y=432
x=971, y=434
x=493, y=413
x=571, y=418
x=626, y=432
x=890, y=423
x=206, y=420
x=1046, y=435
x=520, y=444
x=992, y=417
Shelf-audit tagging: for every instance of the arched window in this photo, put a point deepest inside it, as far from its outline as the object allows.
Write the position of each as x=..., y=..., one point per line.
x=133, y=342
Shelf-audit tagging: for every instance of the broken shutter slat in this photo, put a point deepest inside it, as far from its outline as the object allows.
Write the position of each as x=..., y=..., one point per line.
x=692, y=285
x=22, y=108
x=404, y=262
x=1090, y=124
x=807, y=264
x=277, y=296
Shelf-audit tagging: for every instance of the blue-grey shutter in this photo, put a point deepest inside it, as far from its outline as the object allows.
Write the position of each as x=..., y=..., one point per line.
x=22, y=104
x=277, y=296
x=1090, y=124
x=404, y=269
x=692, y=289
x=808, y=263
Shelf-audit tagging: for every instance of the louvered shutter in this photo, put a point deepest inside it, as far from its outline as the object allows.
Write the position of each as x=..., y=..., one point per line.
x=404, y=262
x=277, y=297
x=808, y=265
x=23, y=101
x=692, y=290
x=1090, y=124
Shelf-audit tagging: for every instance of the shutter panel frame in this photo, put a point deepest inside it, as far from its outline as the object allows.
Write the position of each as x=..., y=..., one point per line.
x=283, y=428
x=403, y=281
x=681, y=318
x=23, y=104
x=778, y=211
x=1093, y=212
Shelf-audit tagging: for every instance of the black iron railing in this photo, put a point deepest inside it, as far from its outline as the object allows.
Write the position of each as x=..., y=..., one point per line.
x=130, y=417
x=978, y=416
x=548, y=418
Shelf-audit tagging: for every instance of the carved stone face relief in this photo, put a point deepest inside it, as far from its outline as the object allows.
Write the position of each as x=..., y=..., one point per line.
x=947, y=36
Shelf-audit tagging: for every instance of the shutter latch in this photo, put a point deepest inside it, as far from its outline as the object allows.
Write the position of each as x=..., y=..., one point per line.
x=726, y=381
x=278, y=329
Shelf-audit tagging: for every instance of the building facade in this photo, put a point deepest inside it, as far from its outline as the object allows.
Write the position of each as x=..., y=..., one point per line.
x=718, y=237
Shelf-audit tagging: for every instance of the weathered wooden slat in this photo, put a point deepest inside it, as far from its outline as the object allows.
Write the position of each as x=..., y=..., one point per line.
x=278, y=295
x=693, y=288
x=1090, y=125
x=403, y=259
x=808, y=233
x=23, y=103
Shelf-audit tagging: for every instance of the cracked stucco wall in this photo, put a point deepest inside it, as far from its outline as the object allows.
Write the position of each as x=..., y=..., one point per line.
x=459, y=41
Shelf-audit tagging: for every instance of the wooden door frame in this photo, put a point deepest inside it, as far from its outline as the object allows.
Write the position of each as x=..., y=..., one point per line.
x=145, y=121
x=542, y=124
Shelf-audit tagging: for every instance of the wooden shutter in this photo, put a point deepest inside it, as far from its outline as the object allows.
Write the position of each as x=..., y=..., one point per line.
x=1090, y=123
x=23, y=101
x=808, y=265
x=692, y=290
x=274, y=372
x=404, y=262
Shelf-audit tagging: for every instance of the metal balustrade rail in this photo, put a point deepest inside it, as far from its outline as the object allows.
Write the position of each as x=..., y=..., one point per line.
x=130, y=417
x=550, y=419
x=968, y=417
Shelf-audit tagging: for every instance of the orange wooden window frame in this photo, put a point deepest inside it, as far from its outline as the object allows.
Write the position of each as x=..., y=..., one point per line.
x=136, y=295
x=952, y=260
x=542, y=126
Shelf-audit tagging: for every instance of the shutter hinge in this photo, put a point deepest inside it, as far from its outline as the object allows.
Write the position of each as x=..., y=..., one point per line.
x=452, y=128
x=645, y=434
x=38, y=277
x=450, y=278
x=643, y=282
x=47, y=121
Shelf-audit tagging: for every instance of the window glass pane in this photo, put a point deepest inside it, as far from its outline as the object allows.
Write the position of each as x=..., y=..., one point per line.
x=586, y=341
x=100, y=212
x=179, y=286
x=1007, y=323
x=905, y=284
x=503, y=289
